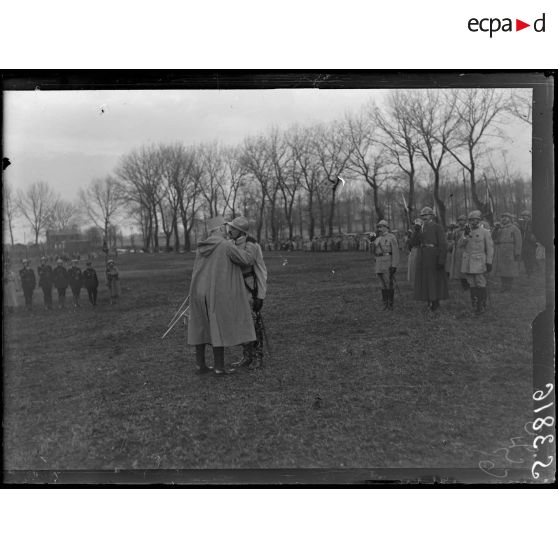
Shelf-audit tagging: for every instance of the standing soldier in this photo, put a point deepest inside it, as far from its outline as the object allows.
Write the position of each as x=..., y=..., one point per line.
x=457, y=253
x=113, y=281
x=386, y=251
x=91, y=282
x=60, y=277
x=478, y=252
x=507, y=241
x=28, y=282
x=431, y=282
x=44, y=272
x=76, y=281
x=10, y=288
x=529, y=243
x=255, y=281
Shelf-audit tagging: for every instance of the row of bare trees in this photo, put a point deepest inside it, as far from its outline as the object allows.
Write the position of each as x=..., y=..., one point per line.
x=419, y=146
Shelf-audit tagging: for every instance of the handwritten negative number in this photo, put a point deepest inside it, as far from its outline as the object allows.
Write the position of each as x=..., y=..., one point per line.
x=538, y=395
x=542, y=440
x=535, y=474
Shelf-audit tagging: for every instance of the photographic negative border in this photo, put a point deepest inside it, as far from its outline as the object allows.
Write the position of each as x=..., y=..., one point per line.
x=542, y=85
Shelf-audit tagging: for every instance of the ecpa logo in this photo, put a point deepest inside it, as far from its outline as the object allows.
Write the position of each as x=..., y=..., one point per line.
x=494, y=24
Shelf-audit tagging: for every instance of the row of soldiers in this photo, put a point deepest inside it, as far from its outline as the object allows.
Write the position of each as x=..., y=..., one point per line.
x=468, y=254
x=60, y=278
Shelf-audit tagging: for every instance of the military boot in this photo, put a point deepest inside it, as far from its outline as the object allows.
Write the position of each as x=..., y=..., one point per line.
x=246, y=359
x=464, y=285
x=385, y=298
x=474, y=297
x=481, y=308
x=390, y=299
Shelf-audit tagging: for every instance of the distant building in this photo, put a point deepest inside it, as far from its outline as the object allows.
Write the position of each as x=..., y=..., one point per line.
x=67, y=241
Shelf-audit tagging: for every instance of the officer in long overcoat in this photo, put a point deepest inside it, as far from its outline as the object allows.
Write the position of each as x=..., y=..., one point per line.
x=386, y=250
x=60, y=279
x=220, y=313
x=431, y=282
x=478, y=254
x=91, y=283
x=28, y=282
x=44, y=271
x=529, y=243
x=508, y=246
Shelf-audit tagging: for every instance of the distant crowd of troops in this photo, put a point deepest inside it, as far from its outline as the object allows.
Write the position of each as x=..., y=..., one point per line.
x=59, y=279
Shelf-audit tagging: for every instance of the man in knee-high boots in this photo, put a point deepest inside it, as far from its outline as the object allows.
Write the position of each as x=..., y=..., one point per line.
x=386, y=251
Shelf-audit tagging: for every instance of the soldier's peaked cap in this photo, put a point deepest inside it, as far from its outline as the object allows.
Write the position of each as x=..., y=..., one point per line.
x=426, y=211
x=383, y=223
x=475, y=214
x=240, y=223
x=506, y=215
x=462, y=218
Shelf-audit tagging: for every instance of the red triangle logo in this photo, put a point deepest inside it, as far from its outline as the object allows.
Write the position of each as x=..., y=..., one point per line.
x=519, y=25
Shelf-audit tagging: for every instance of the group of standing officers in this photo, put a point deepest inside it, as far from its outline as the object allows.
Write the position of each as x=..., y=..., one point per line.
x=59, y=279
x=468, y=252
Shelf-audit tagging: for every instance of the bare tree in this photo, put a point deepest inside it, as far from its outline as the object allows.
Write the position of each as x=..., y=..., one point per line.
x=235, y=175
x=102, y=202
x=64, y=215
x=11, y=209
x=300, y=142
x=433, y=117
x=36, y=204
x=333, y=151
x=367, y=157
x=477, y=113
x=141, y=174
x=257, y=162
x=399, y=138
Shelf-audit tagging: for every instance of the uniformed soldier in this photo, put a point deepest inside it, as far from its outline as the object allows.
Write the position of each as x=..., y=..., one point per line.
x=386, y=251
x=28, y=282
x=10, y=289
x=76, y=281
x=478, y=253
x=457, y=253
x=507, y=243
x=91, y=283
x=529, y=243
x=113, y=281
x=60, y=278
x=431, y=282
x=255, y=280
x=44, y=271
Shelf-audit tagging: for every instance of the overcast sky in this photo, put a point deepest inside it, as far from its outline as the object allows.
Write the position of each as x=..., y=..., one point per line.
x=68, y=138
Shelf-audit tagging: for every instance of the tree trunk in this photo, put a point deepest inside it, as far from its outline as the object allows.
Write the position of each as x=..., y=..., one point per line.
x=440, y=205
x=377, y=206
x=175, y=229
x=311, y=221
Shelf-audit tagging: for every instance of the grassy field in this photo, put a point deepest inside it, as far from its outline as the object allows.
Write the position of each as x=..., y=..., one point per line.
x=345, y=386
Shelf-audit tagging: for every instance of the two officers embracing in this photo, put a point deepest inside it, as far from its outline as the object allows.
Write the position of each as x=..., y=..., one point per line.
x=227, y=289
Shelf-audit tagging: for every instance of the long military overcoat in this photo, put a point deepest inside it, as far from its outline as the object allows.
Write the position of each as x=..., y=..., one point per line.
x=457, y=256
x=507, y=244
x=431, y=282
x=220, y=313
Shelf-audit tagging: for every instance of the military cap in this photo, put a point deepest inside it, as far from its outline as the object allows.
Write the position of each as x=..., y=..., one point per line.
x=506, y=215
x=525, y=212
x=59, y=261
x=24, y=261
x=110, y=262
x=383, y=223
x=426, y=211
x=462, y=218
x=214, y=223
x=475, y=214
x=240, y=224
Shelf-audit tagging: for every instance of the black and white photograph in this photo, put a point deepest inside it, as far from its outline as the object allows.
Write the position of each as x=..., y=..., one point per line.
x=250, y=278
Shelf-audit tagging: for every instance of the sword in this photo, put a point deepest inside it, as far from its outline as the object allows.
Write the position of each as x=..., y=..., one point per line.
x=268, y=346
